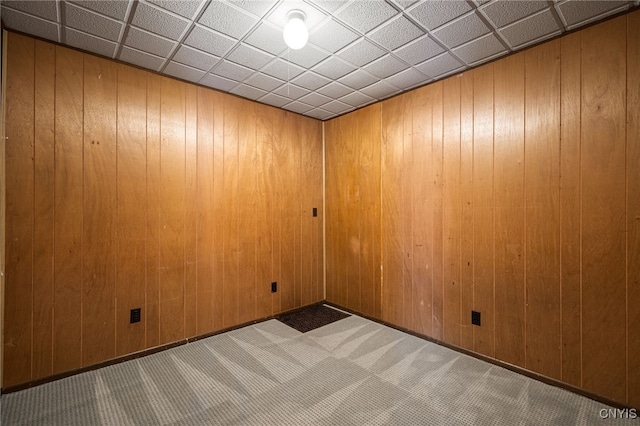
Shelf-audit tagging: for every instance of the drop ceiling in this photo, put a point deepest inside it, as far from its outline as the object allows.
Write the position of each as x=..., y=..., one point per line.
x=359, y=51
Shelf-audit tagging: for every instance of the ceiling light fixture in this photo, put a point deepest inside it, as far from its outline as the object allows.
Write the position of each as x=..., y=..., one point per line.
x=295, y=31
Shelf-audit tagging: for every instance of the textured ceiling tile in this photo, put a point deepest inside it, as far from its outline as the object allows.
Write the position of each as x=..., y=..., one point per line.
x=361, y=52
x=232, y=71
x=264, y=82
x=306, y=58
x=440, y=65
x=258, y=8
x=28, y=24
x=227, y=19
x=408, y=78
x=41, y=8
x=186, y=8
x=380, y=90
x=320, y=114
x=195, y=58
x=148, y=42
x=433, y=14
x=291, y=91
x=395, y=33
x=337, y=107
x=405, y=3
x=268, y=38
x=419, y=50
x=298, y=107
x=278, y=16
x=480, y=49
x=504, y=12
x=282, y=69
x=249, y=57
x=248, y=92
x=116, y=9
x=357, y=99
x=333, y=68
x=275, y=100
x=92, y=23
x=90, y=43
x=366, y=15
x=141, y=59
x=311, y=81
x=576, y=12
x=218, y=82
x=334, y=90
x=358, y=79
x=461, y=30
x=332, y=36
x=209, y=41
x=330, y=6
x=386, y=66
x=184, y=72
x=531, y=29
x=158, y=21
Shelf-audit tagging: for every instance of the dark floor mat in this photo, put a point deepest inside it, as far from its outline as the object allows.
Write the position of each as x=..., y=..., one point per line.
x=312, y=317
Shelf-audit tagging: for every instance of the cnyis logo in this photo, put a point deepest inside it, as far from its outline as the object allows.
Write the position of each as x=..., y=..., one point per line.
x=618, y=413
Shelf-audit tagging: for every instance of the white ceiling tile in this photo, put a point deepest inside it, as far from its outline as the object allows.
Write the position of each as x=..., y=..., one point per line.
x=533, y=28
x=148, y=42
x=306, y=57
x=408, y=78
x=218, y=82
x=395, y=33
x=419, y=50
x=366, y=15
x=29, y=24
x=282, y=69
x=268, y=38
x=248, y=92
x=361, y=52
x=386, y=66
x=576, y=12
x=116, y=9
x=209, y=41
x=227, y=19
x=298, y=107
x=337, y=107
x=504, y=12
x=440, y=65
x=330, y=6
x=332, y=36
x=434, y=13
x=358, y=79
x=249, y=56
x=461, y=30
x=480, y=49
x=258, y=8
x=291, y=91
x=334, y=90
x=186, y=8
x=232, y=71
x=278, y=16
x=264, y=82
x=158, y=21
x=40, y=8
x=380, y=90
x=320, y=114
x=92, y=23
x=357, y=99
x=90, y=43
x=405, y=3
x=311, y=81
x=184, y=72
x=274, y=100
x=195, y=58
x=333, y=68
x=142, y=59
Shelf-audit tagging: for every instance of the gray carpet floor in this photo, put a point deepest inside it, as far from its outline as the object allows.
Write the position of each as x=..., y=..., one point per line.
x=351, y=372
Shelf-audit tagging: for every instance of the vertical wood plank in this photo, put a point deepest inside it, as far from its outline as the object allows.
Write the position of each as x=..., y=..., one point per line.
x=483, y=211
x=279, y=123
x=19, y=238
x=315, y=159
x=351, y=181
x=172, y=210
x=406, y=209
x=308, y=193
x=67, y=333
x=131, y=218
x=603, y=209
x=99, y=208
x=192, y=257
x=509, y=209
x=438, y=218
x=44, y=209
x=296, y=209
x=570, y=208
x=218, y=209
x=451, y=210
x=331, y=200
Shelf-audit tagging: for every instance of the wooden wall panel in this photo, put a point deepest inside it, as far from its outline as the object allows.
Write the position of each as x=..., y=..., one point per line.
x=603, y=208
x=218, y=209
x=191, y=255
x=99, y=210
x=406, y=212
x=509, y=137
x=438, y=213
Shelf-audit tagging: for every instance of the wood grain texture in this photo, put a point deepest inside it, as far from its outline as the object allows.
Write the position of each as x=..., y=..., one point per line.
x=438, y=212
x=131, y=220
x=509, y=137
x=44, y=150
x=603, y=209
x=99, y=208
x=570, y=189
x=406, y=211
x=191, y=255
x=19, y=238
x=218, y=209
